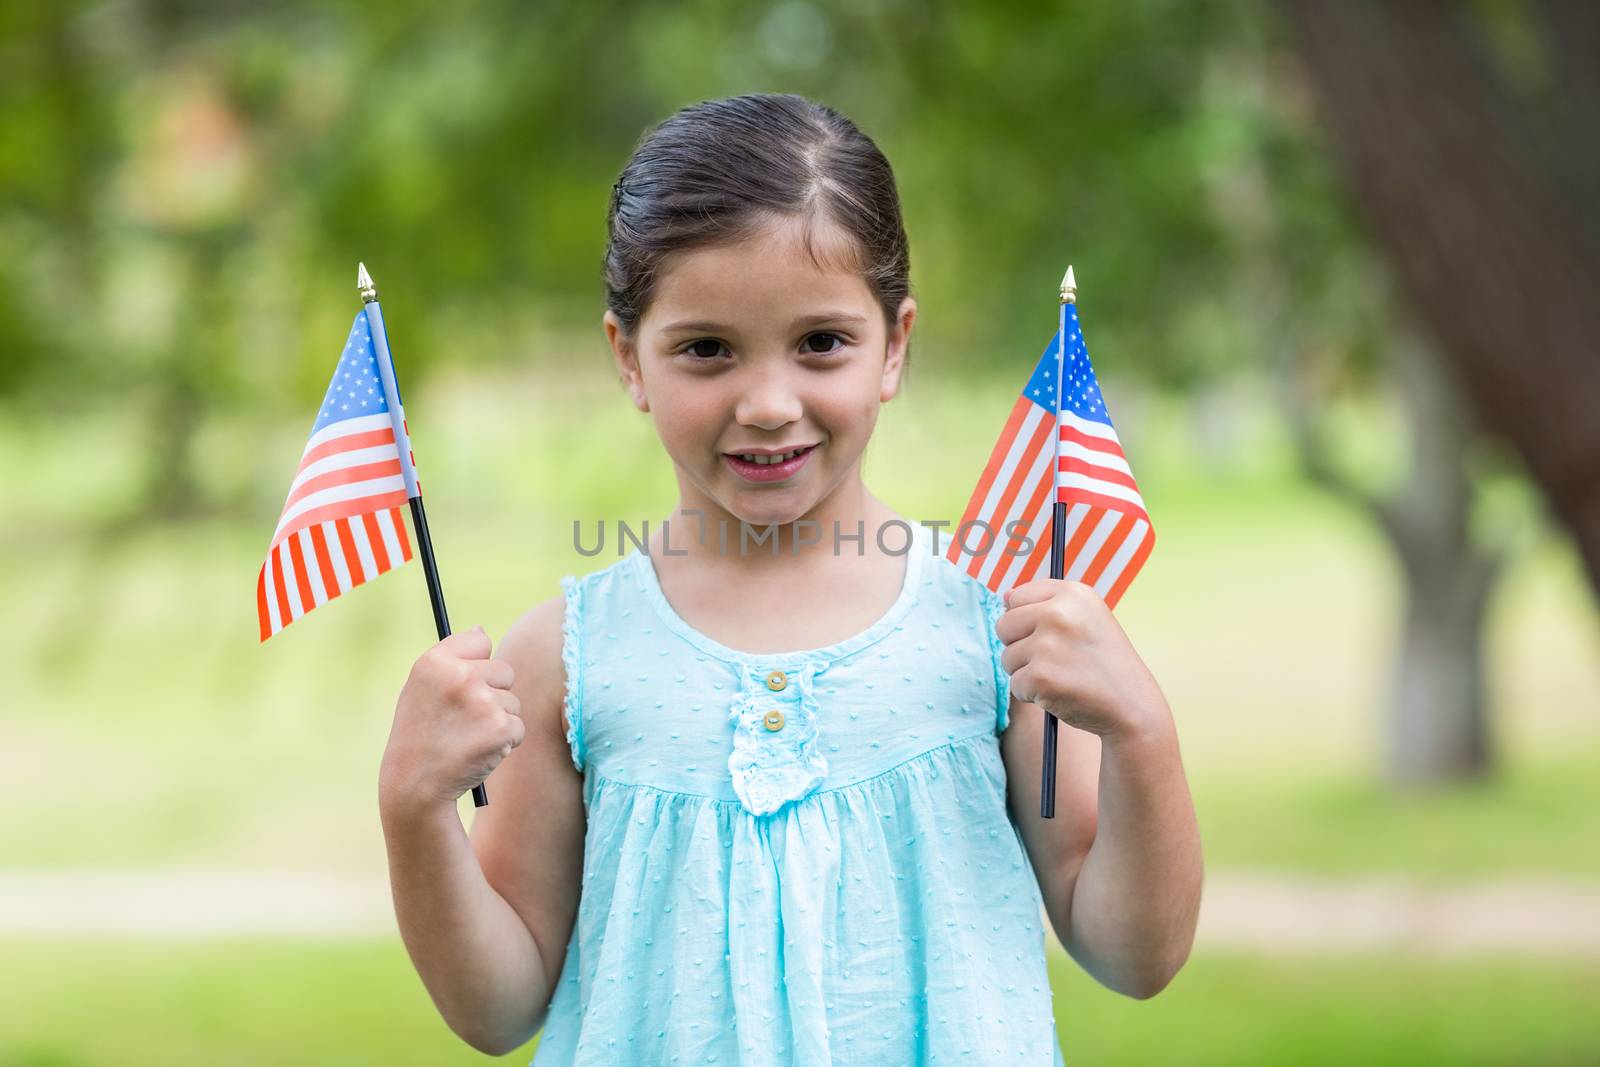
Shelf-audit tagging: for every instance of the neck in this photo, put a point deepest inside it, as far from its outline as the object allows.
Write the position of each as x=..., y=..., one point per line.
x=716, y=539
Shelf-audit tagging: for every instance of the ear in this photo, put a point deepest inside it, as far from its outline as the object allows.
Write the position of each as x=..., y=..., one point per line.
x=899, y=344
x=626, y=359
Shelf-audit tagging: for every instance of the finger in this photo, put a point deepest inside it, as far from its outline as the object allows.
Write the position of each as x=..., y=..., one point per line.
x=1020, y=682
x=469, y=644
x=519, y=729
x=1016, y=656
x=1016, y=623
x=496, y=673
x=508, y=701
x=1032, y=592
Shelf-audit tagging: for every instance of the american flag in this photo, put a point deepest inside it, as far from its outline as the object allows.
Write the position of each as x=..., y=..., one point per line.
x=341, y=523
x=1108, y=533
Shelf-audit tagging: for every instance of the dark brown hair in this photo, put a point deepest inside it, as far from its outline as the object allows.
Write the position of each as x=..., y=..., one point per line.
x=718, y=170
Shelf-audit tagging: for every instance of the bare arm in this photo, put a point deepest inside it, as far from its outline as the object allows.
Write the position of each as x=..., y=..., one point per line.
x=486, y=918
x=1119, y=866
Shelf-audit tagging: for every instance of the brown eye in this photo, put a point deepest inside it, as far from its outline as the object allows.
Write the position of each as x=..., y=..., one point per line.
x=698, y=348
x=812, y=345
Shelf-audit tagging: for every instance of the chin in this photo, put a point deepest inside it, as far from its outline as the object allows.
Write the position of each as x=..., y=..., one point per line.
x=758, y=519
x=768, y=512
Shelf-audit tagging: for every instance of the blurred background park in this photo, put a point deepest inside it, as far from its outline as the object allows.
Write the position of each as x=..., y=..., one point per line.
x=1337, y=264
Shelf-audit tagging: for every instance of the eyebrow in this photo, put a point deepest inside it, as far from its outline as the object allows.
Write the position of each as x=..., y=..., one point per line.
x=825, y=318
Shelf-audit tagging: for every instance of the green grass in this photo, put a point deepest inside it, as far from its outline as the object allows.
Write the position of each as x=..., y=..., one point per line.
x=1540, y=815
x=1358, y=1010
x=243, y=1003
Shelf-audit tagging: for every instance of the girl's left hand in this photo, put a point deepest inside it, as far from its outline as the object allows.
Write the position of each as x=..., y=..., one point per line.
x=1066, y=653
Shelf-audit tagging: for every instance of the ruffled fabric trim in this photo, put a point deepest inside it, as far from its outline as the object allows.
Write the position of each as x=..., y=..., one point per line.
x=769, y=768
x=994, y=606
x=573, y=703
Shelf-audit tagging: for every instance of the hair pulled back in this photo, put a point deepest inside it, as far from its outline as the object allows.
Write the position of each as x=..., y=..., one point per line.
x=718, y=170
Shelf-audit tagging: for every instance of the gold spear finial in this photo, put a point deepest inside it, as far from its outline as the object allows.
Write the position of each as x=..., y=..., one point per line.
x=369, y=292
x=1069, y=287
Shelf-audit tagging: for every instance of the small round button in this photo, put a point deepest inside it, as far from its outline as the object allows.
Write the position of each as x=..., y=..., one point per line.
x=773, y=720
x=777, y=680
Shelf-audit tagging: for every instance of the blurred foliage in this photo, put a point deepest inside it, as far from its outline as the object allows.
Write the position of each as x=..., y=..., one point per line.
x=188, y=186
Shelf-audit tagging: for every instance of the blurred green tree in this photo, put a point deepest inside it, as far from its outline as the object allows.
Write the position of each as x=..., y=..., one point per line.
x=1467, y=133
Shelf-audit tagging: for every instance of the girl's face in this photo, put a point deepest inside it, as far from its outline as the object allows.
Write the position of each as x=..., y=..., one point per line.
x=754, y=348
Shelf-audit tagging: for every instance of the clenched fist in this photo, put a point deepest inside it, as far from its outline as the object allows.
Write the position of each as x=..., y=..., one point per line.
x=455, y=720
x=1066, y=653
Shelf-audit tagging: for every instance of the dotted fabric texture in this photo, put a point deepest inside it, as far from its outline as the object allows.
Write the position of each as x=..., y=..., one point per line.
x=846, y=889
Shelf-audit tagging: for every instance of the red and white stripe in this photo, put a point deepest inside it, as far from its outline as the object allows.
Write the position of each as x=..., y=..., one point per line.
x=341, y=523
x=1107, y=531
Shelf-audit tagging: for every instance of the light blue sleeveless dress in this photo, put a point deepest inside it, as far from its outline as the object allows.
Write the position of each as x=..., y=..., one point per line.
x=800, y=858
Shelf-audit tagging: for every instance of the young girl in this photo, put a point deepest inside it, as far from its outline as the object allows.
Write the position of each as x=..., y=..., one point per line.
x=775, y=789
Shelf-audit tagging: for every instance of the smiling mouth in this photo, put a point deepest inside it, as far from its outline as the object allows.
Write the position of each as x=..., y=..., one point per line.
x=779, y=467
x=766, y=459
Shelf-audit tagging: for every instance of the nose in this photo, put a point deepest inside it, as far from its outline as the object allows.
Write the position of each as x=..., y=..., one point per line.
x=769, y=400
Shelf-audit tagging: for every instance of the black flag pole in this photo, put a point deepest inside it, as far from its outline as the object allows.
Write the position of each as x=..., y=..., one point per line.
x=1058, y=537
x=419, y=517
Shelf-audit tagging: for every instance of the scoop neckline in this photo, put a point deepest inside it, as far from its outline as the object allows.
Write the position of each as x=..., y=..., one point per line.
x=646, y=573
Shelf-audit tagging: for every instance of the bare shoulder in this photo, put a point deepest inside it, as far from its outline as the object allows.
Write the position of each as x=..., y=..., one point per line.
x=533, y=648
x=529, y=840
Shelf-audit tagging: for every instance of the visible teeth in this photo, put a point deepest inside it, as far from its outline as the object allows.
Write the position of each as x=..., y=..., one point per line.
x=766, y=461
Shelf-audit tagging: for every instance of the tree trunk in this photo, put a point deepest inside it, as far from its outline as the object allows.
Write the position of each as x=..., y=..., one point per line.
x=1438, y=728
x=186, y=381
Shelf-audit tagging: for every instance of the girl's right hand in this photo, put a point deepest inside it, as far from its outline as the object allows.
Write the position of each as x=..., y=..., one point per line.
x=455, y=720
